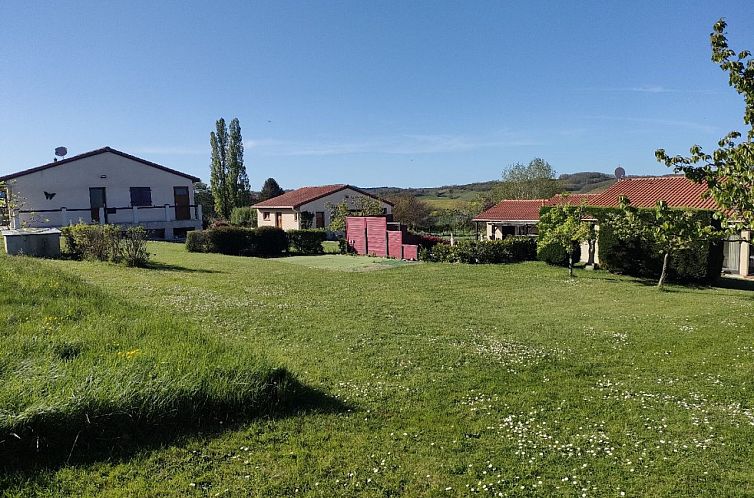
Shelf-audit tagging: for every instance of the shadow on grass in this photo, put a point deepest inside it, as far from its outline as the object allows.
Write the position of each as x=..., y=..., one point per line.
x=734, y=284
x=154, y=265
x=116, y=436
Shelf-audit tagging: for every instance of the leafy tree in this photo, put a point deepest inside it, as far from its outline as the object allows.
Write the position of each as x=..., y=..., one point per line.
x=219, y=169
x=361, y=206
x=203, y=197
x=533, y=181
x=270, y=189
x=563, y=226
x=729, y=170
x=668, y=230
x=452, y=219
x=244, y=216
x=411, y=211
x=229, y=182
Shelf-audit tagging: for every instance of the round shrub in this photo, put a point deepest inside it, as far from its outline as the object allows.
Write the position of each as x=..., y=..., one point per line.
x=554, y=254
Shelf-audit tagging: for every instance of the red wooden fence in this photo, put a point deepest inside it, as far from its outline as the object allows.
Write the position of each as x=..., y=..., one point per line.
x=371, y=235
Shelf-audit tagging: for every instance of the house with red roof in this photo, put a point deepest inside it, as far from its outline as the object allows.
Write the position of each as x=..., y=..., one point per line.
x=293, y=210
x=520, y=217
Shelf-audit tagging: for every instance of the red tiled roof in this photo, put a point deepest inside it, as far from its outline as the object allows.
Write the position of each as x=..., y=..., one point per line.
x=528, y=209
x=57, y=164
x=513, y=210
x=677, y=191
x=304, y=195
x=571, y=199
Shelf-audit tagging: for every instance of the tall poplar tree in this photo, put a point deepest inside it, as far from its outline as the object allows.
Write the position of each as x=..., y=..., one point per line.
x=238, y=180
x=218, y=179
x=229, y=182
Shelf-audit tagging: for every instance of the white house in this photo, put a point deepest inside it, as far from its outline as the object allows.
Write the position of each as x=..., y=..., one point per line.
x=103, y=186
x=286, y=211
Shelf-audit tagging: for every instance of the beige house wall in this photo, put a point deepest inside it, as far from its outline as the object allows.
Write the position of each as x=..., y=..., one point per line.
x=289, y=218
x=743, y=268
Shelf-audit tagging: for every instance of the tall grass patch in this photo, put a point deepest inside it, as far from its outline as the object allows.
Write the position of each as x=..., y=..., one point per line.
x=79, y=366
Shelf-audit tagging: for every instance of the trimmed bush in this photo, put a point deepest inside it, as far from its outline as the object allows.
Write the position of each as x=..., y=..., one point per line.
x=239, y=241
x=196, y=241
x=233, y=241
x=509, y=250
x=554, y=254
x=306, y=241
x=269, y=241
x=244, y=217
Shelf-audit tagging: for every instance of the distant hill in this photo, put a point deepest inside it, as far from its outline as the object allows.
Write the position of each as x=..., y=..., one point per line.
x=451, y=196
x=586, y=182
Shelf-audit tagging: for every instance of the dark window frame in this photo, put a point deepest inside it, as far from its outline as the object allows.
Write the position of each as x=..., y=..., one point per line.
x=143, y=196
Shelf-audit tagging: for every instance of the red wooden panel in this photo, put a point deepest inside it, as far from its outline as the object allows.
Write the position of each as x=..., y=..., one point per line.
x=410, y=252
x=376, y=236
x=356, y=234
x=395, y=244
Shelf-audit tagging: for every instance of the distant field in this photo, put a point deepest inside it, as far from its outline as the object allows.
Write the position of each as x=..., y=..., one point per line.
x=433, y=379
x=444, y=203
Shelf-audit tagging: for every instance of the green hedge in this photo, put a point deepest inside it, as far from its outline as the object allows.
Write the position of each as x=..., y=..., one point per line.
x=509, y=250
x=239, y=241
x=701, y=263
x=306, y=241
x=636, y=257
x=269, y=241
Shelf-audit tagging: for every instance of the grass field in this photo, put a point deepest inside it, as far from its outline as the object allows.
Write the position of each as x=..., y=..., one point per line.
x=450, y=380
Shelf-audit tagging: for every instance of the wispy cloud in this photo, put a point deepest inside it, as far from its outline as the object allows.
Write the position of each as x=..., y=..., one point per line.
x=401, y=145
x=652, y=89
x=667, y=123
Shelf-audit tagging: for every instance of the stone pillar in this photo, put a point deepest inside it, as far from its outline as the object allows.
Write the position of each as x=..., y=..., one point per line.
x=168, y=233
x=199, y=214
x=63, y=217
x=743, y=267
x=15, y=221
x=167, y=213
x=596, y=248
x=102, y=216
x=135, y=214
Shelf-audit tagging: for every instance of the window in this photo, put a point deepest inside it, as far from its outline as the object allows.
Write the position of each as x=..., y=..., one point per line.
x=141, y=196
x=266, y=216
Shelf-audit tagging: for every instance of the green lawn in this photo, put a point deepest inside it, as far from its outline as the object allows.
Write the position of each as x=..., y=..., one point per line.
x=338, y=262
x=453, y=379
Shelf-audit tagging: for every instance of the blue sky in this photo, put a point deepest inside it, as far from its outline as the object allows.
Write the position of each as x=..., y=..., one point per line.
x=370, y=93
